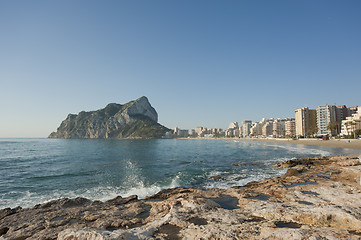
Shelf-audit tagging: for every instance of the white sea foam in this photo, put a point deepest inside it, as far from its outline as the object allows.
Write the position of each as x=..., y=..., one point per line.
x=143, y=191
x=214, y=173
x=30, y=199
x=237, y=180
x=104, y=193
x=301, y=150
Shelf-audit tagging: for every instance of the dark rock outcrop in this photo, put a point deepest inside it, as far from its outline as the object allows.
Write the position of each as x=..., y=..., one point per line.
x=136, y=119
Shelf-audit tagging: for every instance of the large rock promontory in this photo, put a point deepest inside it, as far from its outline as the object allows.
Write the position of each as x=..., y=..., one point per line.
x=136, y=119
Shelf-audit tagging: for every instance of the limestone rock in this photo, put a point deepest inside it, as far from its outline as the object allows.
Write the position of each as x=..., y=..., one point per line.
x=74, y=234
x=136, y=119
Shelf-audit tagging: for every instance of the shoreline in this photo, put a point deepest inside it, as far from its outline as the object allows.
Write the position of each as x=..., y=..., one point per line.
x=339, y=143
x=317, y=198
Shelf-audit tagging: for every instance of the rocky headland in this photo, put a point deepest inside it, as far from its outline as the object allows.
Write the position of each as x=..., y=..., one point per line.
x=318, y=198
x=136, y=119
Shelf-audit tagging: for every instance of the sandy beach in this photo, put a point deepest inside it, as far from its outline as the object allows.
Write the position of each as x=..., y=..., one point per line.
x=341, y=143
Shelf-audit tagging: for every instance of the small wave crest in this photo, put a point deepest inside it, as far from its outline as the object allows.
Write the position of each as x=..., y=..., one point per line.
x=103, y=193
x=306, y=151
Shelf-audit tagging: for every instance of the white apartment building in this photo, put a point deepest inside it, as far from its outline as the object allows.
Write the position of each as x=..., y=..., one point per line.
x=177, y=132
x=199, y=131
x=246, y=128
x=233, y=130
x=279, y=127
x=256, y=129
x=259, y=129
x=233, y=125
x=192, y=133
x=325, y=114
x=290, y=128
x=351, y=123
x=267, y=129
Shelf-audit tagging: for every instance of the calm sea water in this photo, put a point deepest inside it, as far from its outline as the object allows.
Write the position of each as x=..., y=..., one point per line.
x=33, y=171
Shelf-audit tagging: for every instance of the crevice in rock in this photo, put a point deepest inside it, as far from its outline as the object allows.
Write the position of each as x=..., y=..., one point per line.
x=310, y=193
x=354, y=232
x=3, y=230
x=282, y=224
x=301, y=184
x=145, y=213
x=198, y=221
x=255, y=219
x=259, y=196
x=305, y=202
x=170, y=230
x=226, y=202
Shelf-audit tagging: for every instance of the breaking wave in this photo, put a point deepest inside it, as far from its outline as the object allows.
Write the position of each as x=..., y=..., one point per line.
x=103, y=193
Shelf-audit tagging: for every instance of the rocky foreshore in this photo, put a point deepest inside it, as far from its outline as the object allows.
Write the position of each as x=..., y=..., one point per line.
x=318, y=198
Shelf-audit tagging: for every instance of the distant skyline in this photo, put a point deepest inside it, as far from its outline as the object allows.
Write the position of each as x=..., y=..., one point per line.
x=200, y=63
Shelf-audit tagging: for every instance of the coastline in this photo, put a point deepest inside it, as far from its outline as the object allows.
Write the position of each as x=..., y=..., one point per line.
x=317, y=198
x=341, y=143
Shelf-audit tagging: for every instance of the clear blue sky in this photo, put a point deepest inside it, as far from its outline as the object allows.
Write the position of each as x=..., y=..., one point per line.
x=199, y=62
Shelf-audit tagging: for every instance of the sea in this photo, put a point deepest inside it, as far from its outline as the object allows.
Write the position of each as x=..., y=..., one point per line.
x=34, y=171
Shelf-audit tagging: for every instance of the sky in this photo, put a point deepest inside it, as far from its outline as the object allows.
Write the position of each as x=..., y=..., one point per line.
x=200, y=63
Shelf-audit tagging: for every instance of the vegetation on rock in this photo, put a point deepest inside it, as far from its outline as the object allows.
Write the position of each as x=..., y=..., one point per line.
x=136, y=119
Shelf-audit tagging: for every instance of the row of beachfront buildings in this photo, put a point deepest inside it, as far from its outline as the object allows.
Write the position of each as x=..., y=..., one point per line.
x=328, y=120
x=325, y=120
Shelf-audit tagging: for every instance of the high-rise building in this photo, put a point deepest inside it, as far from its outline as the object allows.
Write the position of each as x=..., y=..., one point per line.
x=267, y=129
x=177, y=132
x=353, y=110
x=342, y=112
x=260, y=128
x=232, y=130
x=199, y=131
x=233, y=125
x=290, y=127
x=256, y=129
x=305, y=120
x=246, y=128
x=351, y=123
x=193, y=133
x=279, y=127
x=326, y=114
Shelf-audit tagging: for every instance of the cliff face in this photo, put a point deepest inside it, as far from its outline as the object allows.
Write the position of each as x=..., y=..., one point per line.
x=136, y=119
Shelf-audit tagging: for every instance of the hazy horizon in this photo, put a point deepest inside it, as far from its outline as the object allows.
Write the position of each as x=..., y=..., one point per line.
x=203, y=63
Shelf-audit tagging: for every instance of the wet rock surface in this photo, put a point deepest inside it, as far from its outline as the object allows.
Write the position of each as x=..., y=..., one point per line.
x=319, y=199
